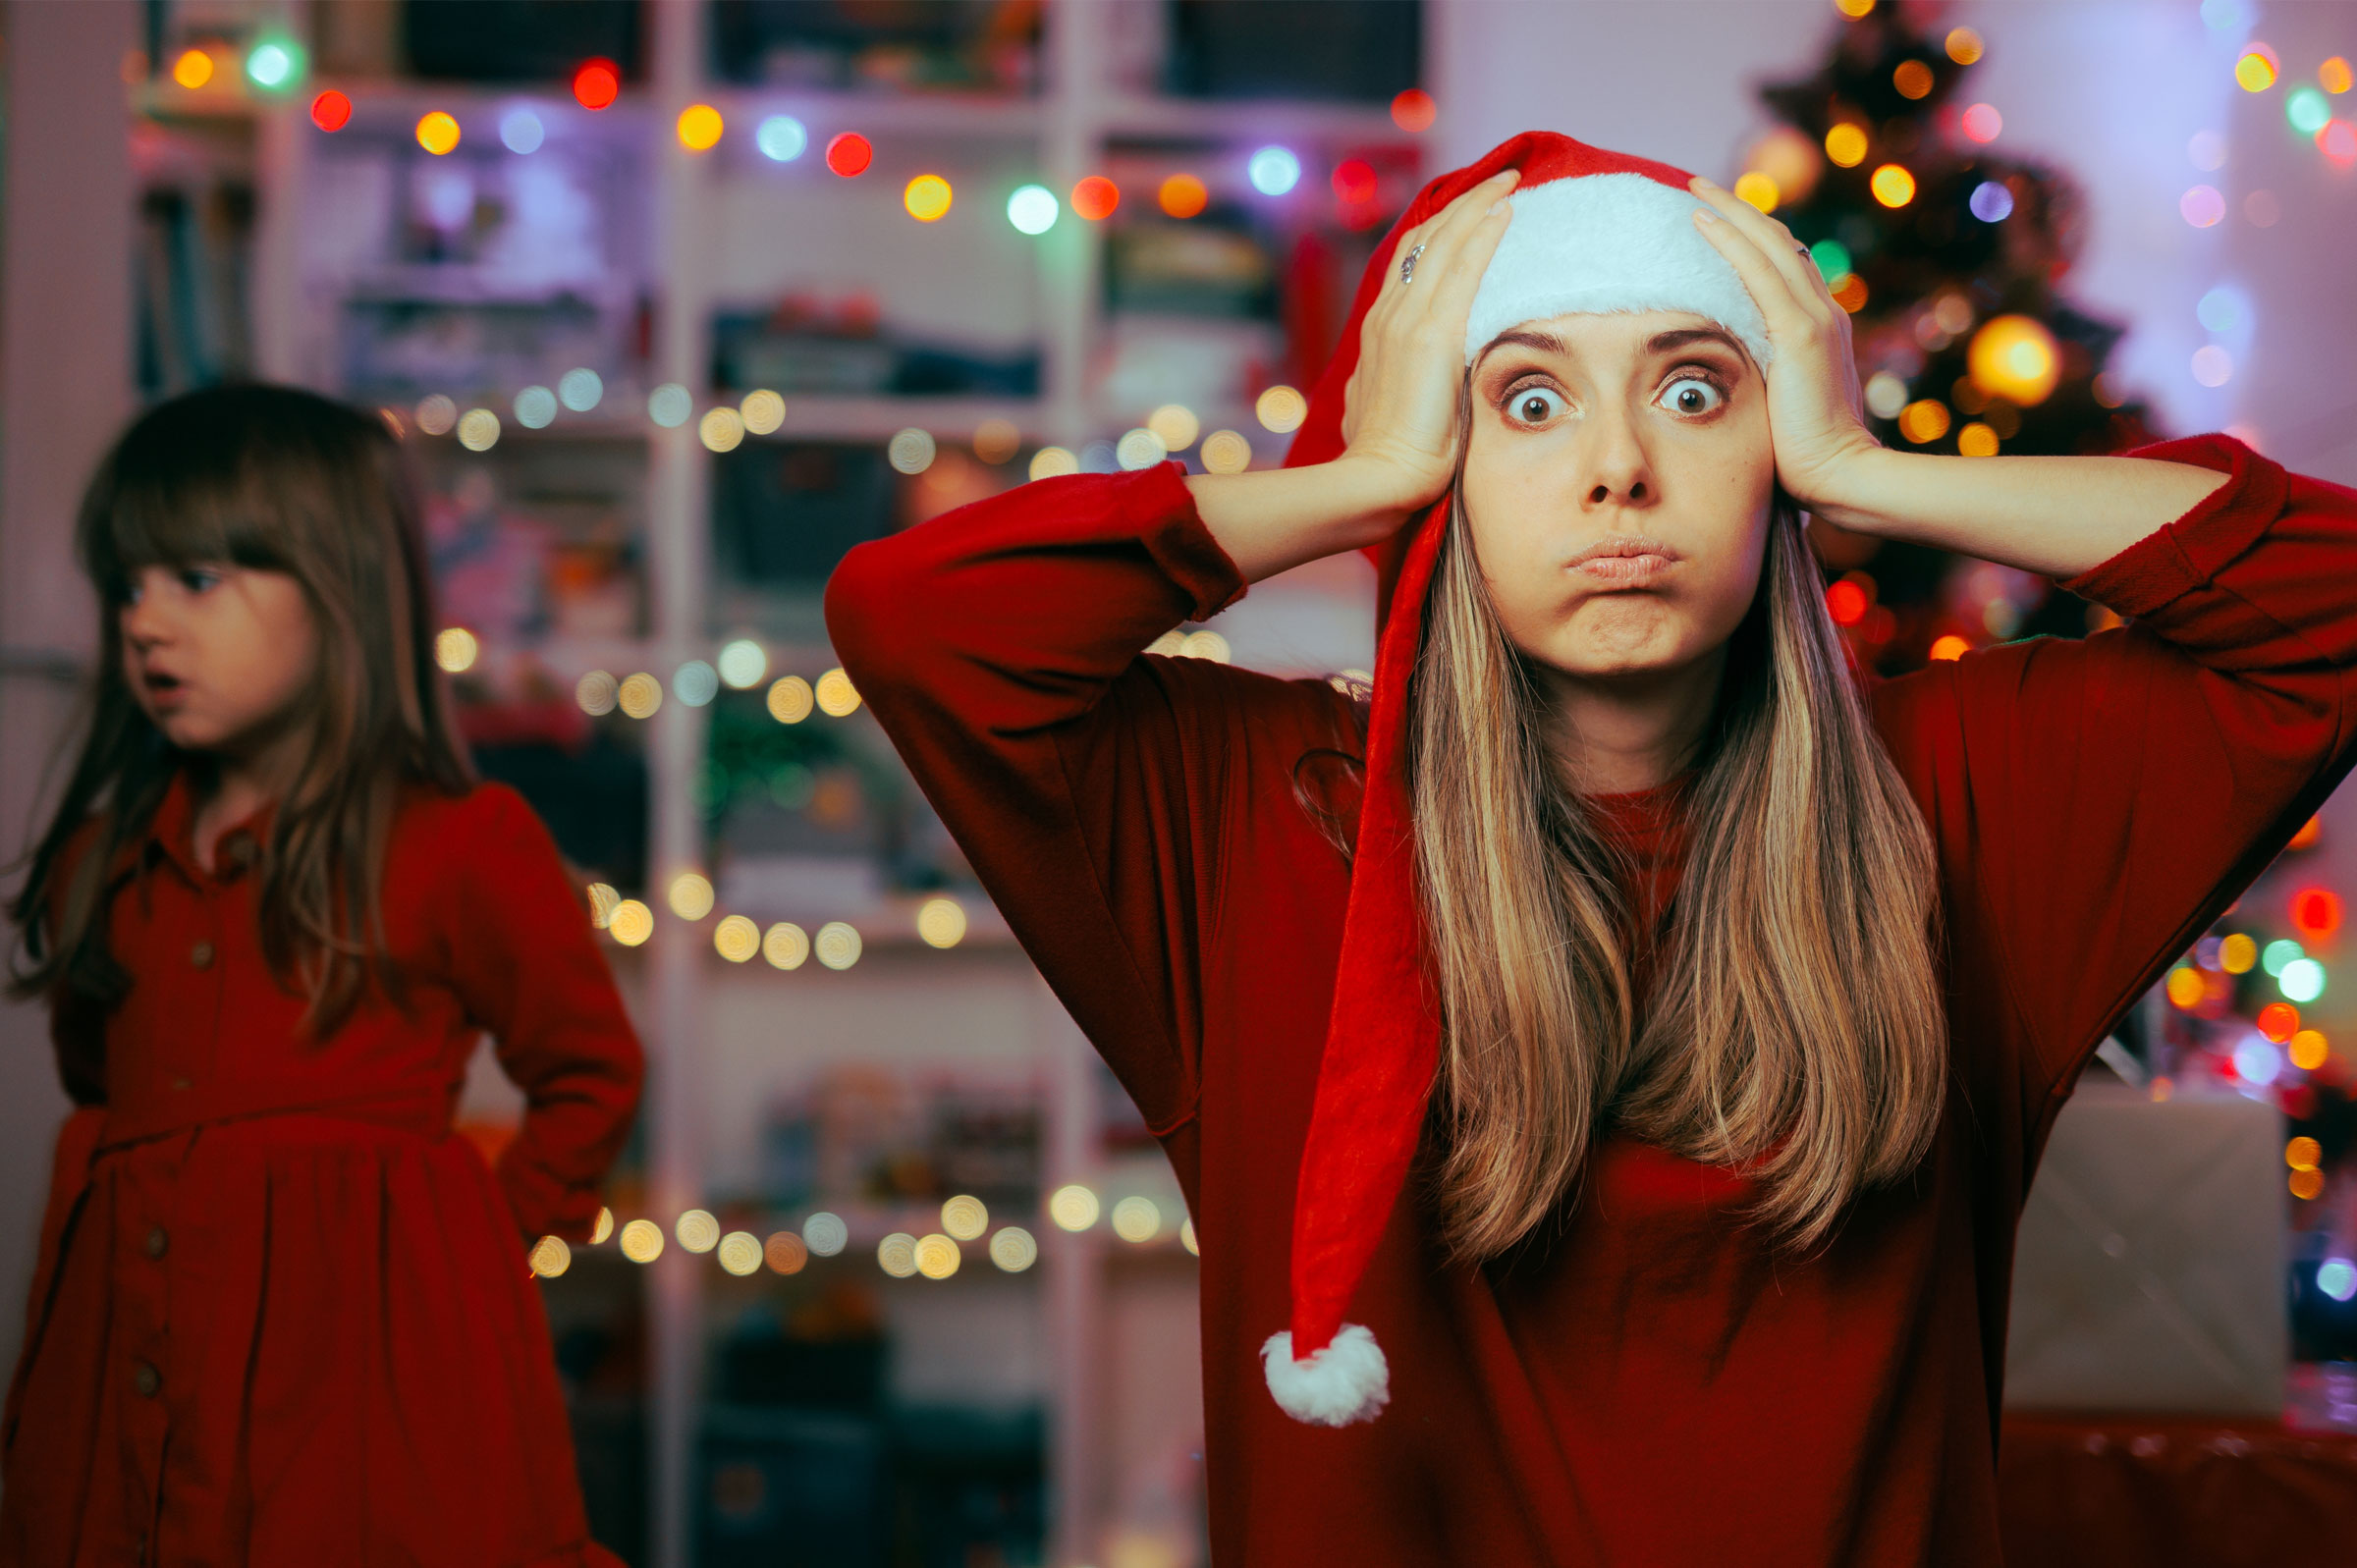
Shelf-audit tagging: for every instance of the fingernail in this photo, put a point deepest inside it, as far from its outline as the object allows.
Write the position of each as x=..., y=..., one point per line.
x=1705, y=215
x=1496, y=207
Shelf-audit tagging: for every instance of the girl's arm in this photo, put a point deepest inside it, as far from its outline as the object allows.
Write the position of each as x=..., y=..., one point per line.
x=525, y=958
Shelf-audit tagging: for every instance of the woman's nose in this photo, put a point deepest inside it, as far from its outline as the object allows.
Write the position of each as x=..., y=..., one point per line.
x=1619, y=472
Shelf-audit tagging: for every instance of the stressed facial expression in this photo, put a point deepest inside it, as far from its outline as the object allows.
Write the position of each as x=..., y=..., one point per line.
x=218, y=656
x=1617, y=483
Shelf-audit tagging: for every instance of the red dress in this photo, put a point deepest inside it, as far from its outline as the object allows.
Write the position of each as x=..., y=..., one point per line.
x=1662, y=1387
x=280, y=1315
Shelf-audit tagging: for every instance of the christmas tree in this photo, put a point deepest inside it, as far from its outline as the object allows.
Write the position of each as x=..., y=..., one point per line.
x=1953, y=259
x=1950, y=258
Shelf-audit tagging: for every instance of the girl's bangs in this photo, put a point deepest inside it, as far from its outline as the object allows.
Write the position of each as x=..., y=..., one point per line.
x=179, y=515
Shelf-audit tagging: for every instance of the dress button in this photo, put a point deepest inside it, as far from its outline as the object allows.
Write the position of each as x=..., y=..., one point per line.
x=202, y=955
x=157, y=1242
x=145, y=1379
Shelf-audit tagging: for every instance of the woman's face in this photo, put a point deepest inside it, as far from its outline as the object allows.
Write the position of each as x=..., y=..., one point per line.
x=1617, y=483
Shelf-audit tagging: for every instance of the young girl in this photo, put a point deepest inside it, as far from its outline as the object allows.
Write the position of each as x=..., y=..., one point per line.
x=282, y=1315
x=1612, y=1153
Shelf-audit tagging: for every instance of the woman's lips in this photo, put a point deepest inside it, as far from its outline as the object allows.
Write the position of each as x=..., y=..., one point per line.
x=1626, y=562
x=1629, y=571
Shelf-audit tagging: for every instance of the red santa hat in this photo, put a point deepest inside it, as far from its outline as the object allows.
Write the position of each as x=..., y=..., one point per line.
x=1592, y=232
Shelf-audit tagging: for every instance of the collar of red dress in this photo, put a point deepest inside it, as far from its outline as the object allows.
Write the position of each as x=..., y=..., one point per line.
x=172, y=835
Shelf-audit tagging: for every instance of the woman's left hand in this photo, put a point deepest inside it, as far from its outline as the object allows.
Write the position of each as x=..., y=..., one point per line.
x=1814, y=414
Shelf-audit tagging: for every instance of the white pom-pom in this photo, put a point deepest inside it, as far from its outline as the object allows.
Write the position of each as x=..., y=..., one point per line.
x=1348, y=1381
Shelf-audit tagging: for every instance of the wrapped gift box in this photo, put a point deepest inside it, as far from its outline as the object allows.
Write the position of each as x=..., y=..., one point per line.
x=2149, y=1272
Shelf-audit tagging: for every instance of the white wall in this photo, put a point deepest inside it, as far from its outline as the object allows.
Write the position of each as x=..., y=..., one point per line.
x=65, y=386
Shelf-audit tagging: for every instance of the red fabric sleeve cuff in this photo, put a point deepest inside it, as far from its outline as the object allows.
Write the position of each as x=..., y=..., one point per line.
x=544, y=1206
x=2187, y=553
x=1157, y=503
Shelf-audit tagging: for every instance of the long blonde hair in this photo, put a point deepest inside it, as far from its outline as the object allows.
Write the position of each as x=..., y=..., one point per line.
x=1796, y=1028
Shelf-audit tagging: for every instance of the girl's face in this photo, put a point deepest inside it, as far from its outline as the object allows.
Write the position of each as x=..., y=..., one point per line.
x=1617, y=483
x=218, y=656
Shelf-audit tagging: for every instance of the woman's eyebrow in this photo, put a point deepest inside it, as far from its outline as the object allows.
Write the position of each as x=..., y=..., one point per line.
x=1544, y=342
x=1687, y=336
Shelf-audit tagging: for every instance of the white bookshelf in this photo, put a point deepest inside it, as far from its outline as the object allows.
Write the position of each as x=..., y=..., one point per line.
x=1081, y=114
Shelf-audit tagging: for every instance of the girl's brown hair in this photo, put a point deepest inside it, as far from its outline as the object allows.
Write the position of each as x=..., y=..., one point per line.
x=1795, y=1026
x=280, y=480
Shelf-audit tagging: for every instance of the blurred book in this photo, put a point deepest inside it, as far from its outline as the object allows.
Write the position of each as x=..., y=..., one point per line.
x=905, y=45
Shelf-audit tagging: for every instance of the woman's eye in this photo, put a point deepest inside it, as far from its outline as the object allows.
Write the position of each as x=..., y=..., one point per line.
x=198, y=578
x=1691, y=394
x=1534, y=406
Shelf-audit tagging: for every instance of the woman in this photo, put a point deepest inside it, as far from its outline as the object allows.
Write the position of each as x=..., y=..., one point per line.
x=1655, y=1081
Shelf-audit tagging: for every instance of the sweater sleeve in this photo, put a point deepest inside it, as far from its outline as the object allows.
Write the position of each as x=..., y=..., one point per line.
x=526, y=963
x=2099, y=804
x=998, y=645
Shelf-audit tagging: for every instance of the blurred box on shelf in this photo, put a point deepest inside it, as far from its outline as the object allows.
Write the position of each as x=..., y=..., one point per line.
x=1366, y=50
x=404, y=349
x=905, y=46
x=2149, y=1270
x=784, y=512
x=970, y=1486
x=1201, y=268
x=794, y=350
x=546, y=549
x=863, y=1133
x=790, y=1485
x=530, y=41
x=1214, y=368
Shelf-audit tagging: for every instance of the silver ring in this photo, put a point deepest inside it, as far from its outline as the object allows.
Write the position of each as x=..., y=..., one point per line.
x=1803, y=249
x=1407, y=265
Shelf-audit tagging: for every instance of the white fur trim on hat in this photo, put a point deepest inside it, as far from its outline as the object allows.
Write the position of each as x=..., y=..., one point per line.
x=1348, y=1381
x=1603, y=242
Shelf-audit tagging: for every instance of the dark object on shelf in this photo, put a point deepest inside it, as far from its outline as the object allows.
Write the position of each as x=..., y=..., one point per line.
x=783, y=515
x=1202, y=268
x=777, y=350
x=401, y=348
x=969, y=1486
x=593, y=800
x=859, y=43
x=790, y=1485
x=1368, y=50
x=773, y=1370
x=196, y=248
x=520, y=40
x=609, y=1446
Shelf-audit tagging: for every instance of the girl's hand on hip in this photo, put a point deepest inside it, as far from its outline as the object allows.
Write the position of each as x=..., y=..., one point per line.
x=1400, y=407
x=1814, y=414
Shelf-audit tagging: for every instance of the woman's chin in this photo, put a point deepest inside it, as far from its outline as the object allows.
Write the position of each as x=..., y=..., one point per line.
x=1620, y=636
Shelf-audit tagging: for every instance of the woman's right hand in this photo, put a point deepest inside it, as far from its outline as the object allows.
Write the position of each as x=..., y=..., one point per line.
x=1400, y=407
x=1398, y=410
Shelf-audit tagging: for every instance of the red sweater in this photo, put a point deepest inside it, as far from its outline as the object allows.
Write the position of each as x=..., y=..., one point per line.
x=1662, y=1387
x=280, y=1315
